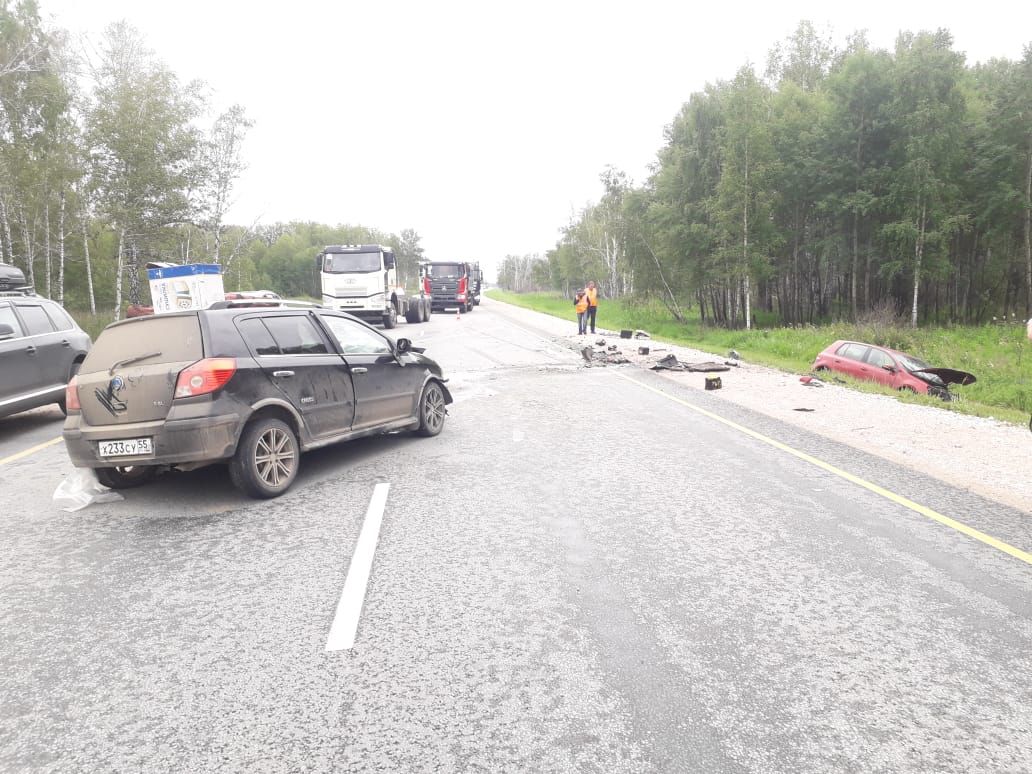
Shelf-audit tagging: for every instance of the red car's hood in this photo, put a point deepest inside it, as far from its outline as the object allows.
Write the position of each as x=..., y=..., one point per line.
x=949, y=375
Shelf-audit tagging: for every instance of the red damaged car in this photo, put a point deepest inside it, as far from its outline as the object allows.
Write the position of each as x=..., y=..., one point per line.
x=891, y=368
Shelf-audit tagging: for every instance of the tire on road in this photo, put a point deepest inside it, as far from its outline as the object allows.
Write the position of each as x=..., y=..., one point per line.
x=266, y=459
x=390, y=319
x=414, y=313
x=127, y=477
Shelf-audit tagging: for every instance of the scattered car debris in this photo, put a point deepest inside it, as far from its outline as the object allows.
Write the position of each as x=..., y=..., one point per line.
x=643, y=350
x=713, y=383
x=811, y=381
x=668, y=363
x=707, y=367
x=600, y=342
x=733, y=363
x=640, y=334
x=803, y=409
x=626, y=334
x=671, y=363
x=733, y=355
x=610, y=357
x=81, y=488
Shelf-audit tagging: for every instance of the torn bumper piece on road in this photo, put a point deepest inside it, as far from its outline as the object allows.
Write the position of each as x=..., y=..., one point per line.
x=671, y=363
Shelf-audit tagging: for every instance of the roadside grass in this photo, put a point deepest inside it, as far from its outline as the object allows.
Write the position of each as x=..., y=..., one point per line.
x=93, y=324
x=1000, y=356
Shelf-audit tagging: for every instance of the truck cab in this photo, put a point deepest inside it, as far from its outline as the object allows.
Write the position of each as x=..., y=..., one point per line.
x=451, y=284
x=363, y=280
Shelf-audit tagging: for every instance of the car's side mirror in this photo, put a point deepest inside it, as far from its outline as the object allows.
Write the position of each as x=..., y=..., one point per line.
x=6, y=332
x=402, y=345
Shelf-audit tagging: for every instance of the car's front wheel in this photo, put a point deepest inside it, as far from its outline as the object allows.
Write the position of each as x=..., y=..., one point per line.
x=126, y=477
x=431, y=410
x=266, y=460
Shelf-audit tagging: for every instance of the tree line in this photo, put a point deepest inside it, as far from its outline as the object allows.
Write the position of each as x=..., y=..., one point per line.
x=834, y=183
x=109, y=161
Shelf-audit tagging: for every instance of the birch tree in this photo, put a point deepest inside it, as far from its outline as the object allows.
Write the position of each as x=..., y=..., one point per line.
x=145, y=149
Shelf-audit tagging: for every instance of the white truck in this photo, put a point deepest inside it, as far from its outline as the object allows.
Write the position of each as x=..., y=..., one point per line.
x=363, y=280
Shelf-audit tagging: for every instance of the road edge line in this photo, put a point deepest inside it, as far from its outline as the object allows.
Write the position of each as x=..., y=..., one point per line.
x=32, y=450
x=923, y=510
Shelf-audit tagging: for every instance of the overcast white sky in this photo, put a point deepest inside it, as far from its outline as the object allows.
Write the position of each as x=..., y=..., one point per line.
x=481, y=125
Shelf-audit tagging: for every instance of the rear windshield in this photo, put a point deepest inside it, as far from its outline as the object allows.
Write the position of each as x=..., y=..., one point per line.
x=165, y=339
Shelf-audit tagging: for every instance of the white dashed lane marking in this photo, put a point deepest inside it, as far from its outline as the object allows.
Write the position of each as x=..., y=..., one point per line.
x=349, y=608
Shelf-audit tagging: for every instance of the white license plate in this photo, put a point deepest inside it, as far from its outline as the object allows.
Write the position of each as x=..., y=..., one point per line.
x=130, y=447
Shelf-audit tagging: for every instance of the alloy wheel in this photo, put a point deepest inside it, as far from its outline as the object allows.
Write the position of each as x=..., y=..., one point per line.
x=275, y=456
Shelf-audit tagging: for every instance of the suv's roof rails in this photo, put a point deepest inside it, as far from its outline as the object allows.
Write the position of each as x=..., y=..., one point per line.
x=244, y=303
x=19, y=292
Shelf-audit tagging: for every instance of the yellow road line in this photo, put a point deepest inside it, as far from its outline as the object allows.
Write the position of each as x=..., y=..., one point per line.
x=33, y=450
x=971, y=532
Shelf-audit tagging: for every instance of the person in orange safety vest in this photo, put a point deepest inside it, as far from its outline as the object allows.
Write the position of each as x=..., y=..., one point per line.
x=592, y=295
x=580, y=303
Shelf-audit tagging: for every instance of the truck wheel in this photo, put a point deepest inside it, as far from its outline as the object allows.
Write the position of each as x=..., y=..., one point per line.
x=266, y=459
x=431, y=411
x=469, y=306
x=413, y=314
x=127, y=477
x=390, y=319
x=425, y=306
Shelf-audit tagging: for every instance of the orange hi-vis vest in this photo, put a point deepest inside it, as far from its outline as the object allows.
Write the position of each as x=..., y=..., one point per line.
x=581, y=305
x=592, y=294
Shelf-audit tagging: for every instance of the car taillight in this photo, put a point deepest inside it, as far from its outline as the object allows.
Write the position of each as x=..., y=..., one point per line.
x=72, y=395
x=426, y=286
x=205, y=376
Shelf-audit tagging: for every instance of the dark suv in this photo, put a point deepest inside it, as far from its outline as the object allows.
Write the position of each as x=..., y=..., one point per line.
x=253, y=384
x=41, y=348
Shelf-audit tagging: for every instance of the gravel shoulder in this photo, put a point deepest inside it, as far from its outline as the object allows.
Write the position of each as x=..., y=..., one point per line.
x=983, y=455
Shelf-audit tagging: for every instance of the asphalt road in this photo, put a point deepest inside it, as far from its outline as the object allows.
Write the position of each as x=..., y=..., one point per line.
x=582, y=573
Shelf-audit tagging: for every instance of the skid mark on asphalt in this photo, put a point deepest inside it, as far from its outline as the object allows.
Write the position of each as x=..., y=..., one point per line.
x=946, y=521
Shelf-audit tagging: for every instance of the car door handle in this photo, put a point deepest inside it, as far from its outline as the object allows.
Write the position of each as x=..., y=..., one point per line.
x=283, y=374
x=31, y=349
x=359, y=370
x=65, y=343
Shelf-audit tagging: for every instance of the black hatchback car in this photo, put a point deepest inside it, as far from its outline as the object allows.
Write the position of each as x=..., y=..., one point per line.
x=41, y=348
x=253, y=384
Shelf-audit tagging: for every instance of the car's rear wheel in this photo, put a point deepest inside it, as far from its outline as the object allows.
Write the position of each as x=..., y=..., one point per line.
x=126, y=477
x=266, y=460
x=431, y=410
